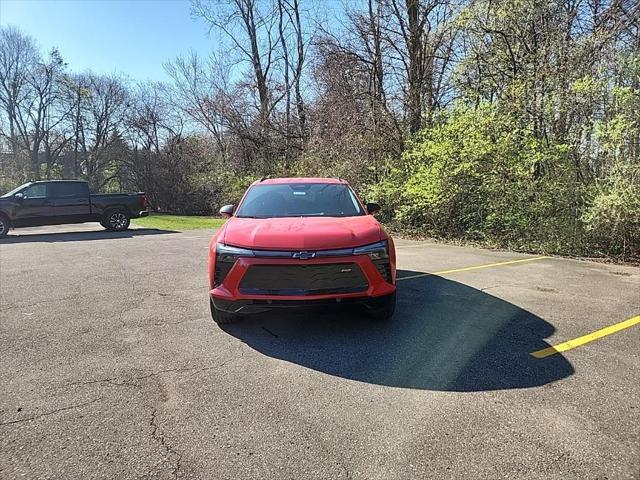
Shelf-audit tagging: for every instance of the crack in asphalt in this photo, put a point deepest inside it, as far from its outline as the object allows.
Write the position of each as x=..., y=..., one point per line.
x=155, y=433
x=164, y=324
x=159, y=437
x=52, y=412
x=130, y=383
x=71, y=296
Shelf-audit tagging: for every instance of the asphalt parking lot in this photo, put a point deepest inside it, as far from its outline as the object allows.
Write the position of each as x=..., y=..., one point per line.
x=111, y=367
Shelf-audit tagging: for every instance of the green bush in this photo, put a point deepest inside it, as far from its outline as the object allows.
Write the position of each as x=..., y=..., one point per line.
x=480, y=175
x=612, y=218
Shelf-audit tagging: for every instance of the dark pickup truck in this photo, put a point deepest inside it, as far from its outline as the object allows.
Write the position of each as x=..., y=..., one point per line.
x=68, y=201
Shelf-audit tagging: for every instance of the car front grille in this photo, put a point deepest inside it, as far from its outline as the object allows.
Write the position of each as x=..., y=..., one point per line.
x=315, y=279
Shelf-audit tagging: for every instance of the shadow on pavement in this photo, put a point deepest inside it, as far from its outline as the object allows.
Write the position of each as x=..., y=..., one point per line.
x=444, y=336
x=76, y=236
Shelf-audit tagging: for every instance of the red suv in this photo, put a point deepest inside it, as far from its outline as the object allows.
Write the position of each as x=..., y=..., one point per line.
x=300, y=242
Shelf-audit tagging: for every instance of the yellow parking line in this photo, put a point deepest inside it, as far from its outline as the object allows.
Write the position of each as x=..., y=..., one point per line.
x=475, y=267
x=577, y=342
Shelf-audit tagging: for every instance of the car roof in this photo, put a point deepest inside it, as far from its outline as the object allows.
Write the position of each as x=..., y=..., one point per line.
x=272, y=181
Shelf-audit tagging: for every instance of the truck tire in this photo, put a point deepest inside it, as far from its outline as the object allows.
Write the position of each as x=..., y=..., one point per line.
x=5, y=225
x=116, y=220
x=385, y=308
x=220, y=317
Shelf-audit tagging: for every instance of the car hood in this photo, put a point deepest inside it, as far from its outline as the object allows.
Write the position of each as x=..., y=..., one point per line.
x=306, y=233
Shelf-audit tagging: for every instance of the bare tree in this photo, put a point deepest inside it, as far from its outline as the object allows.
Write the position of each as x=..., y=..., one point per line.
x=199, y=90
x=422, y=34
x=96, y=111
x=294, y=12
x=250, y=31
x=29, y=96
x=18, y=56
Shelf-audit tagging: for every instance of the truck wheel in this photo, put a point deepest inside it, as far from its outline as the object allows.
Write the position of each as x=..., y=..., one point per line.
x=385, y=308
x=220, y=317
x=116, y=220
x=5, y=224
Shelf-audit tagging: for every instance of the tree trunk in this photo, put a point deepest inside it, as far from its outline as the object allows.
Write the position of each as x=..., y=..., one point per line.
x=415, y=77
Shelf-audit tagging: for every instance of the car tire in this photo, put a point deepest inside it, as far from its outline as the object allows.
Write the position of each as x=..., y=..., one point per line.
x=220, y=317
x=385, y=308
x=5, y=225
x=117, y=220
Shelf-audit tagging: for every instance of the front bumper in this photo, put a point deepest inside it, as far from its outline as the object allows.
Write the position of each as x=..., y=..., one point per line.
x=259, y=306
x=229, y=296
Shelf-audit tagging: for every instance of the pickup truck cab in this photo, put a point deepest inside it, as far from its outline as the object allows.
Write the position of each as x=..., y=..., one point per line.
x=68, y=201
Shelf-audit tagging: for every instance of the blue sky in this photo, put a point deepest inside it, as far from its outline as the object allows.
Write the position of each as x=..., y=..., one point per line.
x=111, y=36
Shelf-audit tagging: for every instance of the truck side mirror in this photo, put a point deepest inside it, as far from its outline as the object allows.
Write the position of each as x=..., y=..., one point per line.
x=227, y=211
x=19, y=196
x=372, y=208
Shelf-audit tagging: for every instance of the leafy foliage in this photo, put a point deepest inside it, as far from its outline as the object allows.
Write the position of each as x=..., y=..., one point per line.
x=478, y=175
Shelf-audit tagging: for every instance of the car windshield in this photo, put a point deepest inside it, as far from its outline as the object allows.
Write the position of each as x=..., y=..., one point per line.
x=300, y=200
x=15, y=190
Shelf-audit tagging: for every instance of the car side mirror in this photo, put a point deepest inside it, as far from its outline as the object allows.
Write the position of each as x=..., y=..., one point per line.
x=227, y=211
x=19, y=196
x=372, y=208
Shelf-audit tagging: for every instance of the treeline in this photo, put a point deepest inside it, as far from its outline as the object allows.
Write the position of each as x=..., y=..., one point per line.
x=513, y=122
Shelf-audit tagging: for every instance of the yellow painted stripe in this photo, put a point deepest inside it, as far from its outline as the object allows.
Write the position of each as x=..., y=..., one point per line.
x=475, y=267
x=577, y=342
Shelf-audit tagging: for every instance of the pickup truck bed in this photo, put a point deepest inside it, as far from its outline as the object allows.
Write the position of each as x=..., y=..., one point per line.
x=64, y=201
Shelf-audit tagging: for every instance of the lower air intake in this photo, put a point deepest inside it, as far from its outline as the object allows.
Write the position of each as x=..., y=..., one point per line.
x=317, y=279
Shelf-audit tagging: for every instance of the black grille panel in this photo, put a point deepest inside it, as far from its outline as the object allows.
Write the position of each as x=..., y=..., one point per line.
x=315, y=279
x=221, y=271
x=384, y=267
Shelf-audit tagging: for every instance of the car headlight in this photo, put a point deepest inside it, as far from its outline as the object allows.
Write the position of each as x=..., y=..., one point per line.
x=228, y=253
x=376, y=251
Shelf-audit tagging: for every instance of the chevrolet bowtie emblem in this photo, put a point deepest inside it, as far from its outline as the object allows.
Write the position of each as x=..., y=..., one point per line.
x=304, y=255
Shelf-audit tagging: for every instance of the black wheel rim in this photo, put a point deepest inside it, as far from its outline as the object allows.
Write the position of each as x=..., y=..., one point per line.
x=118, y=220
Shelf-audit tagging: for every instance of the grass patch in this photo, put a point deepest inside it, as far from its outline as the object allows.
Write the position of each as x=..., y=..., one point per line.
x=178, y=222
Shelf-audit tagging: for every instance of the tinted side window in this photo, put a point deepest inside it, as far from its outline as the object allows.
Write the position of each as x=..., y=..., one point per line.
x=71, y=189
x=36, y=191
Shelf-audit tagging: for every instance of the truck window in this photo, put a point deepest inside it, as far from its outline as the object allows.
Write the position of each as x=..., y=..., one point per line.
x=68, y=190
x=38, y=190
